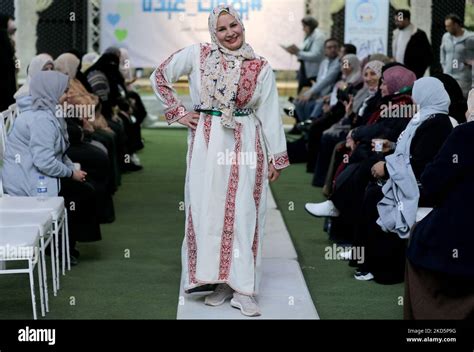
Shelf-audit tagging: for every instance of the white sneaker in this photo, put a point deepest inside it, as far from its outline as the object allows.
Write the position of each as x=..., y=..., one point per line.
x=151, y=121
x=135, y=159
x=219, y=296
x=247, y=304
x=323, y=209
x=363, y=276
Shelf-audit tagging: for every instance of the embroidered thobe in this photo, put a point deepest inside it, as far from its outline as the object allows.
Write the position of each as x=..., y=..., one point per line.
x=227, y=171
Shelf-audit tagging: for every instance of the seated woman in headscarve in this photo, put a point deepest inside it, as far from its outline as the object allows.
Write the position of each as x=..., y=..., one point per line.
x=356, y=107
x=390, y=212
x=332, y=111
x=39, y=140
x=392, y=116
x=41, y=62
x=109, y=85
x=439, y=277
x=92, y=155
x=36, y=146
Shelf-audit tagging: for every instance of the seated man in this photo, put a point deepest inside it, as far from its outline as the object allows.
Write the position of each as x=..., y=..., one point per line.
x=310, y=103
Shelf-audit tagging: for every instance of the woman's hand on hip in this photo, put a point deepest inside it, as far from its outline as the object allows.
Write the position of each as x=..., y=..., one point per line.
x=273, y=173
x=190, y=120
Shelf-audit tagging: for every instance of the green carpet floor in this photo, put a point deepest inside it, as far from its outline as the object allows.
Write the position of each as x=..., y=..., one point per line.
x=133, y=273
x=336, y=294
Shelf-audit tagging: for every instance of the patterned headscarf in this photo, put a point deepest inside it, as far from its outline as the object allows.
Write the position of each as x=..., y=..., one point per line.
x=220, y=79
x=376, y=66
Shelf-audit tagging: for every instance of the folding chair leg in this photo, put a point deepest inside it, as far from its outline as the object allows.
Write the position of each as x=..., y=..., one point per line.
x=32, y=287
x=57, y=232
x=53, y=264
x=63, y=246
x=40, y=284
x=45, y=275
x=68, y=256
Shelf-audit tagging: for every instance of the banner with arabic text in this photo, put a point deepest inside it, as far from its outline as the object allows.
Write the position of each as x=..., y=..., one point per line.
x=152, y=30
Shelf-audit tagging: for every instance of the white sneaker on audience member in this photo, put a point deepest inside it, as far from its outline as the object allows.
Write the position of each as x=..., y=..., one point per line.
x=323, y=209
x=135, y=159
x=151, y=121
x=247, y=304
x=219, y=296
x=363, y=276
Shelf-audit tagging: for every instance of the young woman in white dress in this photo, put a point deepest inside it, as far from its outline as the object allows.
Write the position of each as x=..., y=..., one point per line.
x=236, y=145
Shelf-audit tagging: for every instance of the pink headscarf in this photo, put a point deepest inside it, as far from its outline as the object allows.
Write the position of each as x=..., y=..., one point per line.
x=398, y=77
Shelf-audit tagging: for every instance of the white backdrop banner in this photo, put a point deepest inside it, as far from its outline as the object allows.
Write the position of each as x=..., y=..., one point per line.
x=153, y=29
x=366, y=26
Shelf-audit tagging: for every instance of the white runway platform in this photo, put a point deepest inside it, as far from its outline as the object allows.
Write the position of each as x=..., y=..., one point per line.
x=283, y=291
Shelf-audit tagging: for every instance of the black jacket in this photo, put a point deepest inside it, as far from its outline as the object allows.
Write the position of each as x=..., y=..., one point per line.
x=427, y=142
x=418, y=54
x=7, y=63
x=443, y=240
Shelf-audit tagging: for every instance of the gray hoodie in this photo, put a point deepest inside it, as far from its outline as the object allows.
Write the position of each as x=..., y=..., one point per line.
x=37, y=143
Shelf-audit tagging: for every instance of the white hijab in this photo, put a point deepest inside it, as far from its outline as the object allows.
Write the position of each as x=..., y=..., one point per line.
x=36, y=65
x=46, y=88
x=68, y=64
x=221, y=76
x=398, y=208
x=88, y=60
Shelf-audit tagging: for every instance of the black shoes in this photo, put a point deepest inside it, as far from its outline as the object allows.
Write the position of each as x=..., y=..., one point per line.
x=131, y=167
x=295, y=130
x=291, y=112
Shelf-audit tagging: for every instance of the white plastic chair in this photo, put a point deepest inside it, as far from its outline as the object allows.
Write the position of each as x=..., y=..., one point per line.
x=53, y=205
x=20, y=244
x=44, y=223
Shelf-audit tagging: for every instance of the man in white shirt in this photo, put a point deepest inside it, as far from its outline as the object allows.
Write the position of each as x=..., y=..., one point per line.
x=410, y=45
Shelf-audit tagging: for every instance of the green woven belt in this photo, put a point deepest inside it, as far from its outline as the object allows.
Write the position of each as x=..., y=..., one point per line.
x=219, y=113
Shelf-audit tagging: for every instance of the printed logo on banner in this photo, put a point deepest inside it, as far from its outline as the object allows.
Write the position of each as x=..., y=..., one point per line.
x=366, y=26
x=366, y=12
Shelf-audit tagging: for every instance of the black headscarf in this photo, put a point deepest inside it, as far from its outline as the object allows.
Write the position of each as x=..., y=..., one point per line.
x=458, y=106
x=108, y=64
x=7, y=63
x=4, y=21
